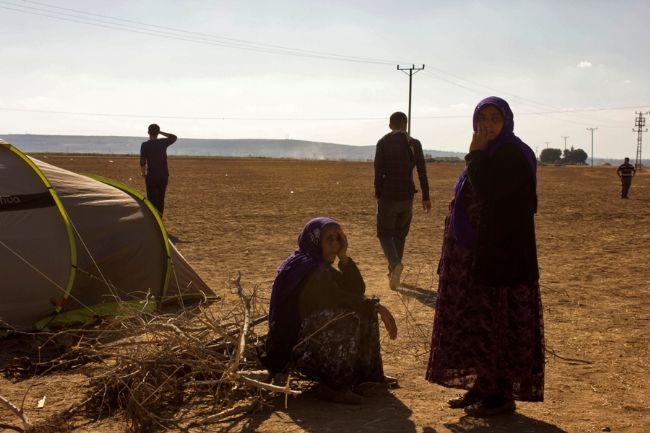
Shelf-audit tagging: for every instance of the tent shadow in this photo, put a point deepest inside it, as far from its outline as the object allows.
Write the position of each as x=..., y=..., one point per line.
x=502, y=424
x=26, y=354
x=422, y=295
x=175, y=239
x=381, y=409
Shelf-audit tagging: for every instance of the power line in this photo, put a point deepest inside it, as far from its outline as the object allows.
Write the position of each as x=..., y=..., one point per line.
x=186, y=36
x=477, y=88
x=412, y=70
x=177, y=117
x=139, y=27
x=177, y=30
x=565, y=137
x=639, y=124
x=240, y=118
x=592, y=144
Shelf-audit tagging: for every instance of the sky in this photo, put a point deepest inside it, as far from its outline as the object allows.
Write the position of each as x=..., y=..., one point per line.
x=327, y=70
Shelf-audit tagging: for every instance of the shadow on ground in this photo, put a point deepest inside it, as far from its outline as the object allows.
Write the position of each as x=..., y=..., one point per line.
x=422, y=295
x=500, y=424
x=176, y=240
x=381, y=412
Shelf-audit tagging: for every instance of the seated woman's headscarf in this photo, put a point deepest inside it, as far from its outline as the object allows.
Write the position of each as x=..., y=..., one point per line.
x=284, y=319
x=463, y=230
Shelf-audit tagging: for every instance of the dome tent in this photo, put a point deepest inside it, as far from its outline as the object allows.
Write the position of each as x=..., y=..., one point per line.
x=73, y=247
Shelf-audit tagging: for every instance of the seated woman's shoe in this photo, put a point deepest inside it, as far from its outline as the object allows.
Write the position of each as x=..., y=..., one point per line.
x=345, y=396
x=491, y=406
x=467, y=399
x=369, y=388
x=387, y=382
x=391, y=381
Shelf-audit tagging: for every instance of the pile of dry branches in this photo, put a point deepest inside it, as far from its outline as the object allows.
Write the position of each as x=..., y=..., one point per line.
x=184, y=369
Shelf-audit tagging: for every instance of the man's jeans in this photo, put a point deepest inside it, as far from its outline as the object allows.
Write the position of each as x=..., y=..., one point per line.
x=626, y=182
x=156, y=192
x=393, y=224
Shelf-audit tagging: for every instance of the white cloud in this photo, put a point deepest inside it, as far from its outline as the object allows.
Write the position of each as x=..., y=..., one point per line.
x=585, y=64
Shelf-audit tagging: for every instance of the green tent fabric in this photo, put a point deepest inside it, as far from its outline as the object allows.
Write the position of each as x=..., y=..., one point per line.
x=73, y=247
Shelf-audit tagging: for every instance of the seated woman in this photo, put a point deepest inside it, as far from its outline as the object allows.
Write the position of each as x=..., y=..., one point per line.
x=320, y=322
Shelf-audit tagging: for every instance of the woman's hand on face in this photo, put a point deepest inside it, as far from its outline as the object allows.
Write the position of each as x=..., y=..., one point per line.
x=343, y=250
x=479, y=139
x=389, y=321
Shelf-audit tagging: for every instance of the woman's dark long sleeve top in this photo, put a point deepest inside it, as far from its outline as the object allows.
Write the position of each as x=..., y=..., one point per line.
x=506, y=185
x=327, y=287
x=324, y=287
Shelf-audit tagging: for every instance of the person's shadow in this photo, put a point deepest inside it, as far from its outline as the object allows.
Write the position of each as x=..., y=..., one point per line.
x=380, y=410
x=424, y=296
x=500, y=424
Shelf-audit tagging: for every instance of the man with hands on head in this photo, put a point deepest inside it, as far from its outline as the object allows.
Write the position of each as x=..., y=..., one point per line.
x=153, y=165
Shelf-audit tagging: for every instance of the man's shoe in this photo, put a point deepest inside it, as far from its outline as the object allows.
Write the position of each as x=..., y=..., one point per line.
x=395, y=276
x=462, y=401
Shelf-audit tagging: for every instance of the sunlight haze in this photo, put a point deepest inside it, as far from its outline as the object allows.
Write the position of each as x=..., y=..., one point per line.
x=326, y=70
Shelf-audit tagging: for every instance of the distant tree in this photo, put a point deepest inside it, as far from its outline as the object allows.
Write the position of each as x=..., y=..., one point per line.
x=549, y=156
x=576, y=156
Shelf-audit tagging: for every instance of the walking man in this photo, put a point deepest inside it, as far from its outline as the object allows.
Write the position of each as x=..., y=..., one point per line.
x=395, y=157
x=625, y=172
x=153, y=165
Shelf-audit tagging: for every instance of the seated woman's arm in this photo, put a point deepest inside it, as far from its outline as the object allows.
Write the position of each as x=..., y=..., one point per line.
x=325, y=287
x=351, y=279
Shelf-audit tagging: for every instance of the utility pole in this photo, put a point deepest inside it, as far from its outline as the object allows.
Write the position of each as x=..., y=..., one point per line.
x=639, y=123
x=565, y=137
x=592, y=145
x=547, y=143
x=412, y=70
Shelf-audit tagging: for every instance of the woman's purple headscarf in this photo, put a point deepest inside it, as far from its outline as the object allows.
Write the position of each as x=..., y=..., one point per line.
x=463, y=230
x=298, y=265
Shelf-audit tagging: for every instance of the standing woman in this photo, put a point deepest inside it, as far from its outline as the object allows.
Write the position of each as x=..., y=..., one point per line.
x=488, y=329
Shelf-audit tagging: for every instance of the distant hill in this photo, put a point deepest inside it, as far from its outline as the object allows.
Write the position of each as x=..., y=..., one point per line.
x=293, y=149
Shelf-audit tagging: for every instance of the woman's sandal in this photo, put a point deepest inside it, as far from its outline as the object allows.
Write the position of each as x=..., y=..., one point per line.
x=486, y=408
x=467, y=399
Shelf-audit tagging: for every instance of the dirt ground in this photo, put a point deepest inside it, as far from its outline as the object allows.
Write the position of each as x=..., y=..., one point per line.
x=229, y=215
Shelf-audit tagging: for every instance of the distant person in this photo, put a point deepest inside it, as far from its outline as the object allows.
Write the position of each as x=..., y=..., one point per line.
x=395, y=157
x=321, y=322
x=626, y=172
x=153, y=164
x=488, y=330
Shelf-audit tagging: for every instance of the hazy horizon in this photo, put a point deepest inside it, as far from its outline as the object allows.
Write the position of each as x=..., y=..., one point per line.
x=229, y=147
